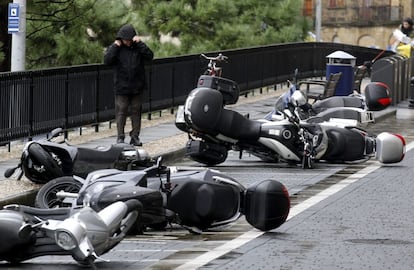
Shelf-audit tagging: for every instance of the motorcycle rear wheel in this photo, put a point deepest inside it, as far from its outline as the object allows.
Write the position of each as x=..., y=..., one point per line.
x=46, y=197
x=41, y=157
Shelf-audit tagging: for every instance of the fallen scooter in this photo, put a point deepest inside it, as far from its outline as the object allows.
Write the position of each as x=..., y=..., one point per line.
x=214, y=130
x=27, y=232
x=197, y=199
x=356, y=107
x=44, y=160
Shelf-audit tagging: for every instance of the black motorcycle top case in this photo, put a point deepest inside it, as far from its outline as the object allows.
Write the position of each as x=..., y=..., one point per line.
x=266, y=205
x=203, y=109
x=228, y=88
x=377, y=96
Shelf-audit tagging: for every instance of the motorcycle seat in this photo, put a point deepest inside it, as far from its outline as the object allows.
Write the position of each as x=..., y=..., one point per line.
x=340, y=140
x=102, y=155
x=234, y=125
x=205, y=113
x=340, y=113
x=337, y=101
x=200, y=203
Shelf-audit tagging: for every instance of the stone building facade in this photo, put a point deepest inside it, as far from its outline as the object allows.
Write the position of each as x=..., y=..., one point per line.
x=360, y=22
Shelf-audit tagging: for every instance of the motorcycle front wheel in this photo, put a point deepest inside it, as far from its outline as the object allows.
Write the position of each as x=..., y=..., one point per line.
x=46, y=197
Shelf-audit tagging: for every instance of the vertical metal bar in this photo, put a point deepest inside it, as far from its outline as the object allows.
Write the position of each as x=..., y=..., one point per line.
x=97, y=94
x=66, y=134
x=173, y=86
x=149, y=94
x=31, y=106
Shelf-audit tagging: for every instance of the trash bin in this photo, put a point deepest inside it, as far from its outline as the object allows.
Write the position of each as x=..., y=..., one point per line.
x=341, y=61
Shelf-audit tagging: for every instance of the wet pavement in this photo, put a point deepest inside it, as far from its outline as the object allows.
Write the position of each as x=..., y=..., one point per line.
x=366, y=225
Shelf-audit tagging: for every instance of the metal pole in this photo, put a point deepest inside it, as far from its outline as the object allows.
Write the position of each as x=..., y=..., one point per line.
x=318, y=19
x=18, y=52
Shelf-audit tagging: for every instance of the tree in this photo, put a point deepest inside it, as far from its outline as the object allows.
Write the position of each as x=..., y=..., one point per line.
x=205, y=25
x=72, y=32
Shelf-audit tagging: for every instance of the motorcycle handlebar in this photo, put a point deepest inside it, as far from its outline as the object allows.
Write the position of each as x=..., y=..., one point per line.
x=64, y=194
x=218, y=58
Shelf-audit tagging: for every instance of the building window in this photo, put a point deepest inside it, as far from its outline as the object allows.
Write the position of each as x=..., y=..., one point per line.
x=308, y=8
x=336, y=4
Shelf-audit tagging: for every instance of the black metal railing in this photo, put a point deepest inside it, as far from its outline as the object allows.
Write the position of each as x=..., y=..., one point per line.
x=34, y=102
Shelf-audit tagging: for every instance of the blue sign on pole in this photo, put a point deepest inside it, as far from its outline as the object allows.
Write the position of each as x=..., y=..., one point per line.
x=13, y=15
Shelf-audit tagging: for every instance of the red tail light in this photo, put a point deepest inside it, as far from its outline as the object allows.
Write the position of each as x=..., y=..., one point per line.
x=384, y=101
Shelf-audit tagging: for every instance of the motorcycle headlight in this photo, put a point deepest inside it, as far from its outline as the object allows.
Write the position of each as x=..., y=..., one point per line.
x=65, y=240
x=298, y=98
x=69, y=234
x=130, y=154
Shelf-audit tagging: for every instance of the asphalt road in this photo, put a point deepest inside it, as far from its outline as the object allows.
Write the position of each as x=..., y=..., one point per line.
x=358, y=216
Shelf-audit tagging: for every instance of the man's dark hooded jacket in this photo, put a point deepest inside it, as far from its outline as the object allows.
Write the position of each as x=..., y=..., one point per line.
x=128, y=62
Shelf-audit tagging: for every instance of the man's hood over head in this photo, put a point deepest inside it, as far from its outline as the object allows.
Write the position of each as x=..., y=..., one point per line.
x=126, y=32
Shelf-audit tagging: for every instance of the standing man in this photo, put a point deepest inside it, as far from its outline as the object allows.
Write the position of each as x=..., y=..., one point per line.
x=128, y=55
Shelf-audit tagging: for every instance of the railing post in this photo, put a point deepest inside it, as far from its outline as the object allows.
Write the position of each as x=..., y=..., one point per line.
x=149, y=93
x=66, y=133
x=31, y=105
x=97, y=96
x=173, y=87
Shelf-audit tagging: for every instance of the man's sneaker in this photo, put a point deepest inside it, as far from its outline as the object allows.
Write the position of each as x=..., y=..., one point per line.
x=120, y=140
x=135, y=141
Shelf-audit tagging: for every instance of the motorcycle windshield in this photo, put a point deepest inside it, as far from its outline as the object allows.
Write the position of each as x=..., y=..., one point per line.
x=281, y=103
x=97, y=187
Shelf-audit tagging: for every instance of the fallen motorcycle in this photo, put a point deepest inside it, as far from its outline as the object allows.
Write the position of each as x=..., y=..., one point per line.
x=27, y=232
x=197, y=199
x=355, y=107
x=44, y=160
x=214, y=130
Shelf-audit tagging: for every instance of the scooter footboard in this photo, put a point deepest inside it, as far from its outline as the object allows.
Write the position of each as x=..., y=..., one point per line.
x=390, y=148
x=202, y=203
x=267, y=205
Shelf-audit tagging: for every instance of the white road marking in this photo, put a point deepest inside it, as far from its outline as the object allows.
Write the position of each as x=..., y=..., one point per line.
x=296, y=210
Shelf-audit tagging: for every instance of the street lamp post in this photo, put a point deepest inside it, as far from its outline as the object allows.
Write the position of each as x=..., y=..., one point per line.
x=18, y=51
x=318, y=19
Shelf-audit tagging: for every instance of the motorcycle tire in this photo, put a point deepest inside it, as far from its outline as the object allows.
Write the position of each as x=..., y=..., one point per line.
x=40, y=156
x=46, y=196
x=307, y=162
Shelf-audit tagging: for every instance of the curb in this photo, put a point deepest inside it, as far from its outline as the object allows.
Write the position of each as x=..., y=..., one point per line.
x=25, y=198
x=381, y=115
